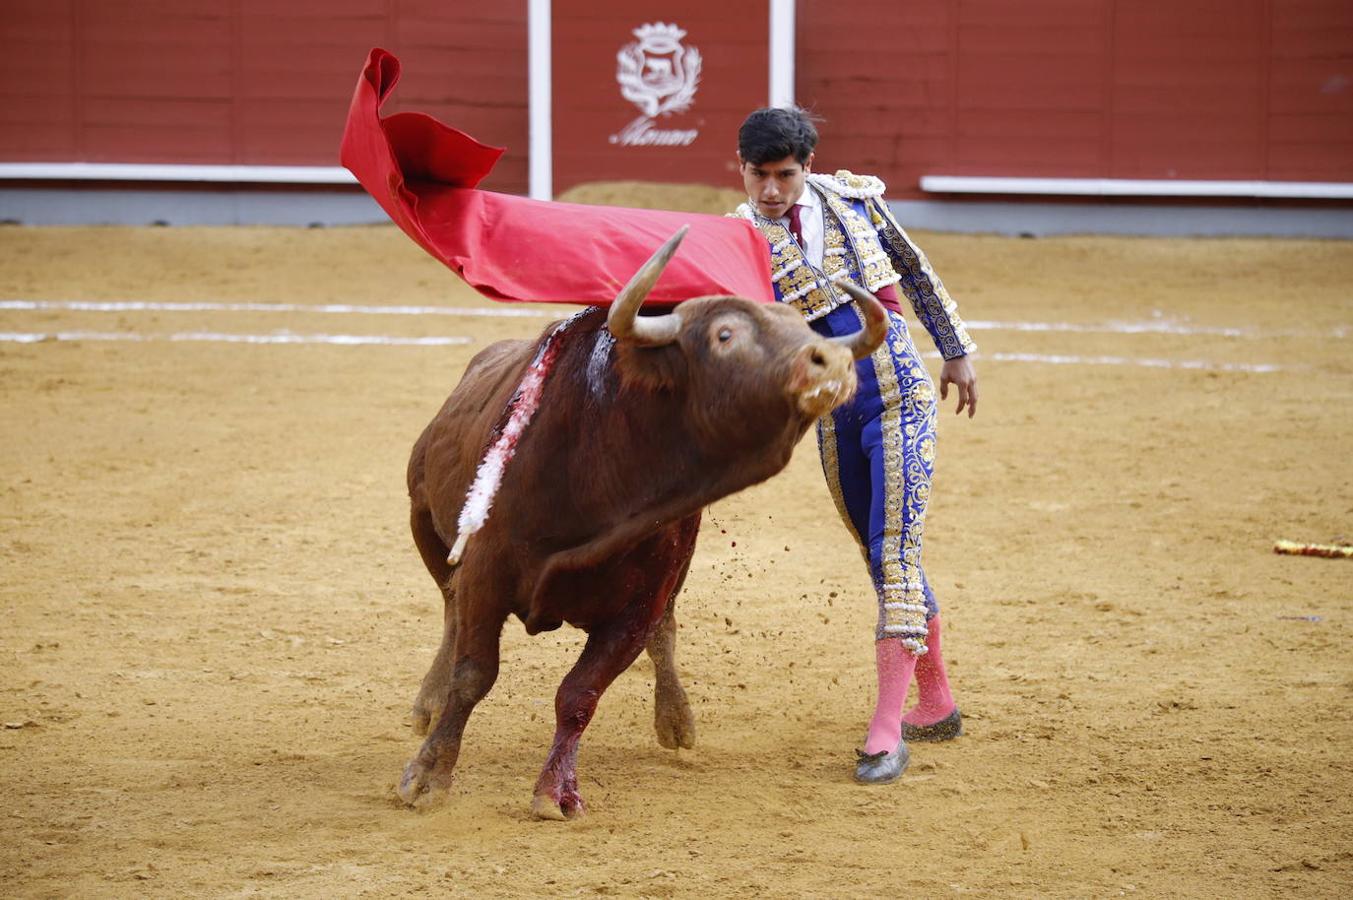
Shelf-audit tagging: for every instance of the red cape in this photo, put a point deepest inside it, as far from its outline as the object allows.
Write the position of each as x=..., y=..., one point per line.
x=423, y=173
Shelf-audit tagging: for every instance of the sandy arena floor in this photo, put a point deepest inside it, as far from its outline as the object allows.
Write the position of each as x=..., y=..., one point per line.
x=215, y=620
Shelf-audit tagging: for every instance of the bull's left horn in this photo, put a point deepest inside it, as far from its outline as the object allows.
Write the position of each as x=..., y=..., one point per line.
x=624, y=320
x=870, y=337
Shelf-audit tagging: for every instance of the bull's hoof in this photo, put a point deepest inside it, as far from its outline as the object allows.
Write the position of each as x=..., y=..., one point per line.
x=545, y=807
x=569, y=806
x=675, y=726
x=423, y=786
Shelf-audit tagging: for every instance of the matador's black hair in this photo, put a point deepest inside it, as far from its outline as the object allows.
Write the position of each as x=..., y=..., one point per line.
x=772, y=133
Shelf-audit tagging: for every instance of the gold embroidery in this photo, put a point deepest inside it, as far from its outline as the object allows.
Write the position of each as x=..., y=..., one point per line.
x=834, y=264
x=923, y=394
x=826, y=443
x=848, y=184
x=897, y=260
x=934, y=307
x=906, y=397
x=851, y=250
x=871, y=267
x=908, y=449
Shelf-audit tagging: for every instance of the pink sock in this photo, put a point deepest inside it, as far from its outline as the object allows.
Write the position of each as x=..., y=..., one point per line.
x=895, y=668
x=935, y=701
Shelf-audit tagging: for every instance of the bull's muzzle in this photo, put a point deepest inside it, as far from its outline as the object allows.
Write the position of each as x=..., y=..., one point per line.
x=823, y=373
x=822, y=377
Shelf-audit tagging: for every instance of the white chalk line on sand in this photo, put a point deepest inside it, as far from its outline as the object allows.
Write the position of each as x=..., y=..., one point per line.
x=357, y=340
x=1158, y=326
x=288, y=337
x=322, y=308
x=1161, y=327
x=1146, y=362
x=279, y=337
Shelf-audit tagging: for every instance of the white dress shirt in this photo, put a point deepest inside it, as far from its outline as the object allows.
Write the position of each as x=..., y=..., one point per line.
x=810, y=223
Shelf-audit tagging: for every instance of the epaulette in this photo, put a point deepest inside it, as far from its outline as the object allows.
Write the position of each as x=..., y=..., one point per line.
x=848, y=184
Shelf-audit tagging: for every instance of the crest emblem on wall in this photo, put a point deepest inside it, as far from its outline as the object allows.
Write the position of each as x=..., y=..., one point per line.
x=656, y=73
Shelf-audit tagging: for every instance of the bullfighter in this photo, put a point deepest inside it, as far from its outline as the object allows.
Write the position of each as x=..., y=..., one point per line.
x=878, y=450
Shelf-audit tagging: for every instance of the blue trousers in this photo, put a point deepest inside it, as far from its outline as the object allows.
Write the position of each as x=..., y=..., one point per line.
x=878, y=453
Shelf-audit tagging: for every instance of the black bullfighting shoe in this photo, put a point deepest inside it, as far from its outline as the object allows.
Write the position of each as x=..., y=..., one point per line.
x=883, y=766
x=946, y=729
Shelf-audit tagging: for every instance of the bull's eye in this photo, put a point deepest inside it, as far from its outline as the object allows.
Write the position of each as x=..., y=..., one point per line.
x=725, y=334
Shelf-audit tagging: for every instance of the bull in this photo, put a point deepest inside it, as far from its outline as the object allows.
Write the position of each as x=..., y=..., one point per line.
x=642, y=422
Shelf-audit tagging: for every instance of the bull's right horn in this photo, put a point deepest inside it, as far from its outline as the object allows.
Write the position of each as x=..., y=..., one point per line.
x=624, y=320
x=870, y=337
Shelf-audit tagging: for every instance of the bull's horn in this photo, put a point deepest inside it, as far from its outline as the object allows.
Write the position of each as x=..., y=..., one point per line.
x=870, y=337
x=624, y=320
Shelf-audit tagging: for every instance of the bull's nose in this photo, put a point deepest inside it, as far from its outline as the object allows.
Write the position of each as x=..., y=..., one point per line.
x=813, y=362
x=823, y=378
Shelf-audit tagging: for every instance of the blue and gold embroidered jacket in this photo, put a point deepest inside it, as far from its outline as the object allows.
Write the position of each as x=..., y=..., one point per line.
x=864, y=243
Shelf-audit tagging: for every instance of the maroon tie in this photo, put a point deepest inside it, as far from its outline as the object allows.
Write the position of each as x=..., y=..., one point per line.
x=795, y=228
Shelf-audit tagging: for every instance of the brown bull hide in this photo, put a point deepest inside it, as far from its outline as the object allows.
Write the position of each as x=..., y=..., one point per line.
x=597, y=515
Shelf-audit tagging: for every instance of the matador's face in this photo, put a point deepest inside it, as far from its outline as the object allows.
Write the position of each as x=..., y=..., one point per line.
x=775, y=186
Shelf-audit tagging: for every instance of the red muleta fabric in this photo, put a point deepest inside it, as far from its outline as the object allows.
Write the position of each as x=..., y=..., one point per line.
x=423, y=174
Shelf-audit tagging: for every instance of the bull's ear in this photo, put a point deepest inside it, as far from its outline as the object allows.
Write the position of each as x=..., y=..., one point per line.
x=650, y=368
x=623, y=319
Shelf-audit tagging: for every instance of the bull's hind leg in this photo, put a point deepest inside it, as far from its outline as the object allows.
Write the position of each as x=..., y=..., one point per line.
x=672, y=717
x=428, y=775
x=431, y=699
x=428, y=705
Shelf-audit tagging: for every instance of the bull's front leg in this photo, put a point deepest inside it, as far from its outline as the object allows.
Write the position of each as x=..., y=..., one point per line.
x=610, y=650
x=672, y=718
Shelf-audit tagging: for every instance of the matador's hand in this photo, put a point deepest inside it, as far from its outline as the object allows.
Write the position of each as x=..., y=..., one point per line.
x=960, y=373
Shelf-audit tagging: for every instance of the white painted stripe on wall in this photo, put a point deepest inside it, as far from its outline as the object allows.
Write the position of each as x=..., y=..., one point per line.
x=781, y=52
x=79, y=171
x=540, y=167
x=1133, y=187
